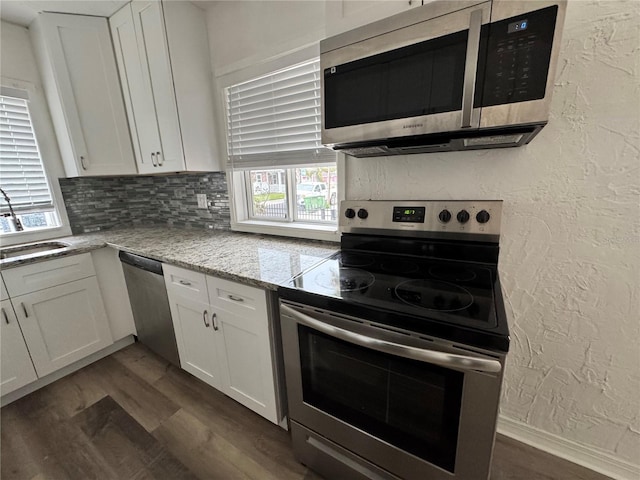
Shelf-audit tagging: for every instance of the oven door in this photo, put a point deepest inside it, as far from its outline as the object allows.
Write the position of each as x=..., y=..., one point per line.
x=408, y=406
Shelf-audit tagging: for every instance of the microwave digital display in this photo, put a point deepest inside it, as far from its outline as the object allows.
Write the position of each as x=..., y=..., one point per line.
x=518, y=26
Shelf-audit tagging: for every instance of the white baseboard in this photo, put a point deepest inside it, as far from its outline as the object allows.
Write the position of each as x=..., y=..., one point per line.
x=582, y=455
x=63, y=372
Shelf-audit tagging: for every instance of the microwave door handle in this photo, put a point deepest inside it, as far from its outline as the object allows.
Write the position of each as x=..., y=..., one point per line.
x=451, y=360
x=471, y=65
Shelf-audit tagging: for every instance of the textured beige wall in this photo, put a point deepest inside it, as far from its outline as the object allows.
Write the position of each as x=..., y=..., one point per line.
x=570, y=247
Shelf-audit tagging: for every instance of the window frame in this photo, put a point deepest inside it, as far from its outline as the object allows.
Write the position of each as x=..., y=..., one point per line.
x=241, y=220
x=51, y=164
x=240, y=192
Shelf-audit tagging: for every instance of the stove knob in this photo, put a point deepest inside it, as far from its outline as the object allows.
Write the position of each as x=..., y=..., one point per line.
x=362, y=213
x=444, y=216
x=483, y=216
x=349, y=213
x=463, y=216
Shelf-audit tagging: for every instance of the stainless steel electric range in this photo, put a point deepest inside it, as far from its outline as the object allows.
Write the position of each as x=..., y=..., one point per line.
x=394, y=347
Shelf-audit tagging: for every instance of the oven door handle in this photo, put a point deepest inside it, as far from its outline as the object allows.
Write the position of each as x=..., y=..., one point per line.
x=451, y=360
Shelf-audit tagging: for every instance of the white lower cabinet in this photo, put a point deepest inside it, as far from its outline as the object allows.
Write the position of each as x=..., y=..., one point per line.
x=224, y=340
x=17, y=369
x=54, y=316
x=196, y=343
x=63, y=324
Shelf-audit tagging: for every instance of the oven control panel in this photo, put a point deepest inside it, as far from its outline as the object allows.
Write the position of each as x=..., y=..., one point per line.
x=426, y=217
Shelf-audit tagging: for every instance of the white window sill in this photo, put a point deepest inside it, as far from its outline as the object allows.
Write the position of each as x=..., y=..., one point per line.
x=46, y=233
x=328, y=233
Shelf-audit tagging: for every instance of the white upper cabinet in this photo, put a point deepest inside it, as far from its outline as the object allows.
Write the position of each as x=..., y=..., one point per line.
x=78, y=67
x=343, y=15
x=162, y=51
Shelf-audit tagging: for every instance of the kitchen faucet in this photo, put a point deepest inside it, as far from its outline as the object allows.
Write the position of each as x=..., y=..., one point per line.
x=16, y=220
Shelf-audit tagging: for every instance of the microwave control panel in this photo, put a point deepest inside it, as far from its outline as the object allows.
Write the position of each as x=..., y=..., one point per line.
x=518, y=55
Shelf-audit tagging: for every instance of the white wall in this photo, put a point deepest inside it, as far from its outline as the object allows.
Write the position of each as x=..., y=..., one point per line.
x=570, y=246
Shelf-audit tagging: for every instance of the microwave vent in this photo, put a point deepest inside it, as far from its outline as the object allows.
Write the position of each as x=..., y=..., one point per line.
x=493, y=140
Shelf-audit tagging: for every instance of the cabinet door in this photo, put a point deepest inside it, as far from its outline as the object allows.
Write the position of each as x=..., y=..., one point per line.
x=17, y=369
x=137, y=94
x=343, y=15
x=63, y=324
x=243, y=344
x=148, y=20
x=245, y=361
x=89, y=114
x=193, y=327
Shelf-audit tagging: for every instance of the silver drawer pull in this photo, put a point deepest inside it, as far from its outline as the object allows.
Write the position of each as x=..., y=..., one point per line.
x=184, y=282
x=235, y=299
x=6, y=318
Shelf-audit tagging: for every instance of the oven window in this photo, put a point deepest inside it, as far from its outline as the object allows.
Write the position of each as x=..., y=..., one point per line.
x=412, y=405
x=421, y=79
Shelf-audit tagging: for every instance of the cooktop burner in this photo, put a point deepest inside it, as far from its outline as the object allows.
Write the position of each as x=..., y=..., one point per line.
x=434, y=295
x=356, y=260
x=400, y=267
x=344, y=279
x=452, y=274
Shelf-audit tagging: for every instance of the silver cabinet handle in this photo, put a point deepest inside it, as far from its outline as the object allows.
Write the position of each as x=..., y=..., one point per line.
x=153, y=159
x=204, y=319
x=213, y=320
x=84, y=167
x=234, y=298
x=24, y=309
x=443, y=359
x=473, y=48
x=6, y=318
x=159, y=157
x=184, y=282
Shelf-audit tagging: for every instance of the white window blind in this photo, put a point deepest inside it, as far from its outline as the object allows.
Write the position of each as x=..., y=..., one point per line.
x=22, y=176
x=275, y=120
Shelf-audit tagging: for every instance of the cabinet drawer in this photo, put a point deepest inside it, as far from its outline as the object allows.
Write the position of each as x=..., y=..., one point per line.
x=186, y=283
x=237, y=298
x=41, y=275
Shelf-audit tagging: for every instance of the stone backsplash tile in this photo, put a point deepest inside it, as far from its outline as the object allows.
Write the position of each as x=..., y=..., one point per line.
x=100, y=203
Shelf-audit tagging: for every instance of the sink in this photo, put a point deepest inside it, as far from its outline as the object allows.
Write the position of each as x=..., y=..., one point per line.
x=34, y=248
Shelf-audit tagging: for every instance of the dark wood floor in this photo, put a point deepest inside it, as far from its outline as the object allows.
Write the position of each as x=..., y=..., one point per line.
x=133, y=416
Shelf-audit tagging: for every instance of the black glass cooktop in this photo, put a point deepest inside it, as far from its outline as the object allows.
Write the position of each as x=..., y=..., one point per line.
x=420, y=287
x=453, y=299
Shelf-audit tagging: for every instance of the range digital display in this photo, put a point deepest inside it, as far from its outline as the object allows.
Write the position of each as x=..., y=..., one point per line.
x=409, y=214
x=518, y=26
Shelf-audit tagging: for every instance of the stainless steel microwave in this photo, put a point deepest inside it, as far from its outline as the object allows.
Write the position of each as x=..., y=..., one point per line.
x=448, y=75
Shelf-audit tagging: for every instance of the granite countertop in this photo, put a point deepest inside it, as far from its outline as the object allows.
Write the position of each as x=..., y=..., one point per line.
x=260, y=260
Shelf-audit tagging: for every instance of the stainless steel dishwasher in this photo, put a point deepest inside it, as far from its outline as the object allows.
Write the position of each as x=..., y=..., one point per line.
x=150, y=305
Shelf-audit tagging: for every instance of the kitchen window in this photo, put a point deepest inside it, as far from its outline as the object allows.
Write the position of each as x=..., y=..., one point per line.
x=282, y=179
x=26, y=201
